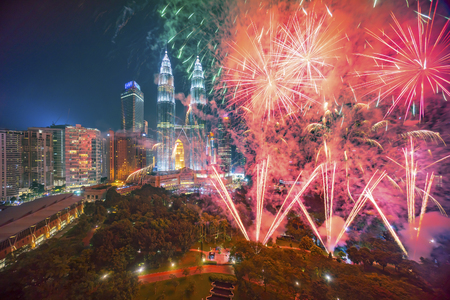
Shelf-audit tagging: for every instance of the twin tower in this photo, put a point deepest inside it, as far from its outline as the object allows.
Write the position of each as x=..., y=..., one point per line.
x=195, y=129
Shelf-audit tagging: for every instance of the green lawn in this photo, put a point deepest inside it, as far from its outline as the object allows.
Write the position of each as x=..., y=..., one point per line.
x=190, y=259
x=201, y=290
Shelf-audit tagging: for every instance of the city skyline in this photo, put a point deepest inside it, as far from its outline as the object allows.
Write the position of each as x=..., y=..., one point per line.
x=77, y=67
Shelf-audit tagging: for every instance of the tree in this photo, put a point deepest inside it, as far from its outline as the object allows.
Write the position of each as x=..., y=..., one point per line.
x=306, y=243
x=186, y=272
x=297, y=228
x=353, y=255
x=395, y=259
x=319, y=290
x=316, y=250
x=366, y=256
x=381, y=257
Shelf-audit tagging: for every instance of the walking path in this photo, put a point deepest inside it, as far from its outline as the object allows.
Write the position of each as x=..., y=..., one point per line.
x=223, y=269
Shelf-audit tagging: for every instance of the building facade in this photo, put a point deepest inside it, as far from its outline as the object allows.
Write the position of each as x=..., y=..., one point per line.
x=59, y=161
x=224, y=144
x=37, y=157
x=196, y=119
x=166, y=117
x=132, y=100
x=83, y=156
x=10, y=164
x=179, y=155
x=127, y=153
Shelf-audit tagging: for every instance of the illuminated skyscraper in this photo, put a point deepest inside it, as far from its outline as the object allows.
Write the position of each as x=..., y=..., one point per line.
x=197, y=119
x=83, y=156
x=179, y=155
x=132, y=108
x=166, y=117
x=10, y=163
x=224, y=144
x=37, y=157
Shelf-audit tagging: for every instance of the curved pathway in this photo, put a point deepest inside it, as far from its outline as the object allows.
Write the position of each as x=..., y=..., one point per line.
x=223, y=269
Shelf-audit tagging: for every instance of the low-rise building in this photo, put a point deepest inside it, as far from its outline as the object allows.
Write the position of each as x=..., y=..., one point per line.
x=26, y=226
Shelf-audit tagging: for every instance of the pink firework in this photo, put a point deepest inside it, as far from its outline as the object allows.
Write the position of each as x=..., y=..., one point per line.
x=274, y=69
x=419, y=63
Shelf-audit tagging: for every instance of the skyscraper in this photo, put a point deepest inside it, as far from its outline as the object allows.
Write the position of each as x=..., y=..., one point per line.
x=224, y=144
x=37, y=157
x=179, y=155
x=196, y=119
x=83, y=156
x=10, y=163
x=132, y=108
x=126, y=152
x=166, y=117
x=59, y=162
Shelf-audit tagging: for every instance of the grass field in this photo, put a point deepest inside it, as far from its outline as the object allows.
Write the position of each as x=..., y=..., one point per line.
x=166, y=289
x=155, y=290
x=190, y=259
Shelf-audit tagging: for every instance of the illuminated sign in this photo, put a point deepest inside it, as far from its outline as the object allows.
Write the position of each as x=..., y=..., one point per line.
x=132, y=84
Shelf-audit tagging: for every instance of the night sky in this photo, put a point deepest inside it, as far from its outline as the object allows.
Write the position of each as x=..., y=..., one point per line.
x=57, y=56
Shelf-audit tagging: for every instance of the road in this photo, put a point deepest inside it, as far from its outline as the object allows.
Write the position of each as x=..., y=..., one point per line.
x=221, y=259
x=223, y=269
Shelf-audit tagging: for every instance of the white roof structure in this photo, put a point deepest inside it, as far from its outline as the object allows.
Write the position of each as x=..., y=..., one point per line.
x=18, y=218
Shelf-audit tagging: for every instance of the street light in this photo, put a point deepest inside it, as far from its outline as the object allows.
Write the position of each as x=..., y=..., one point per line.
x=327, y=277
x=173, y=264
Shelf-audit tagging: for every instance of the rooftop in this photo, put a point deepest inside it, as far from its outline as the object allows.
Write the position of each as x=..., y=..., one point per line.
x=18, y=218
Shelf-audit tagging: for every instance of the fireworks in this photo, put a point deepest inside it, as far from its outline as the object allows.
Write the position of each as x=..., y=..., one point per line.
x=309, y=47
x=275, y=73
x=416, y=62
x=262, y=170
x=224, y=195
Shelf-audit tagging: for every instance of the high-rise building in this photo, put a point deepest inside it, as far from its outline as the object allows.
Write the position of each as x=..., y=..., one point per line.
x=132, y=100
x=127, y=153
x=224, y=144
x=179, y=155
x=196, y=118
x=211, y=154
x=83, y=156
x=37, y=157
x=166, y=117
x=110, y=155
x=146, y=127
x=59, y=162
x=10, y=163
x=104, y=158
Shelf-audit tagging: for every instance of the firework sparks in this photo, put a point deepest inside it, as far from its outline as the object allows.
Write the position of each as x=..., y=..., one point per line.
x=360, y=203
x=257, y=76
x=309, y=45
x=262, y=169
x=426, y=194
x=224, y=195
x=328, y=197
x=421, y=63
x=411, y=170
x=385, y=221
x=280, y=216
